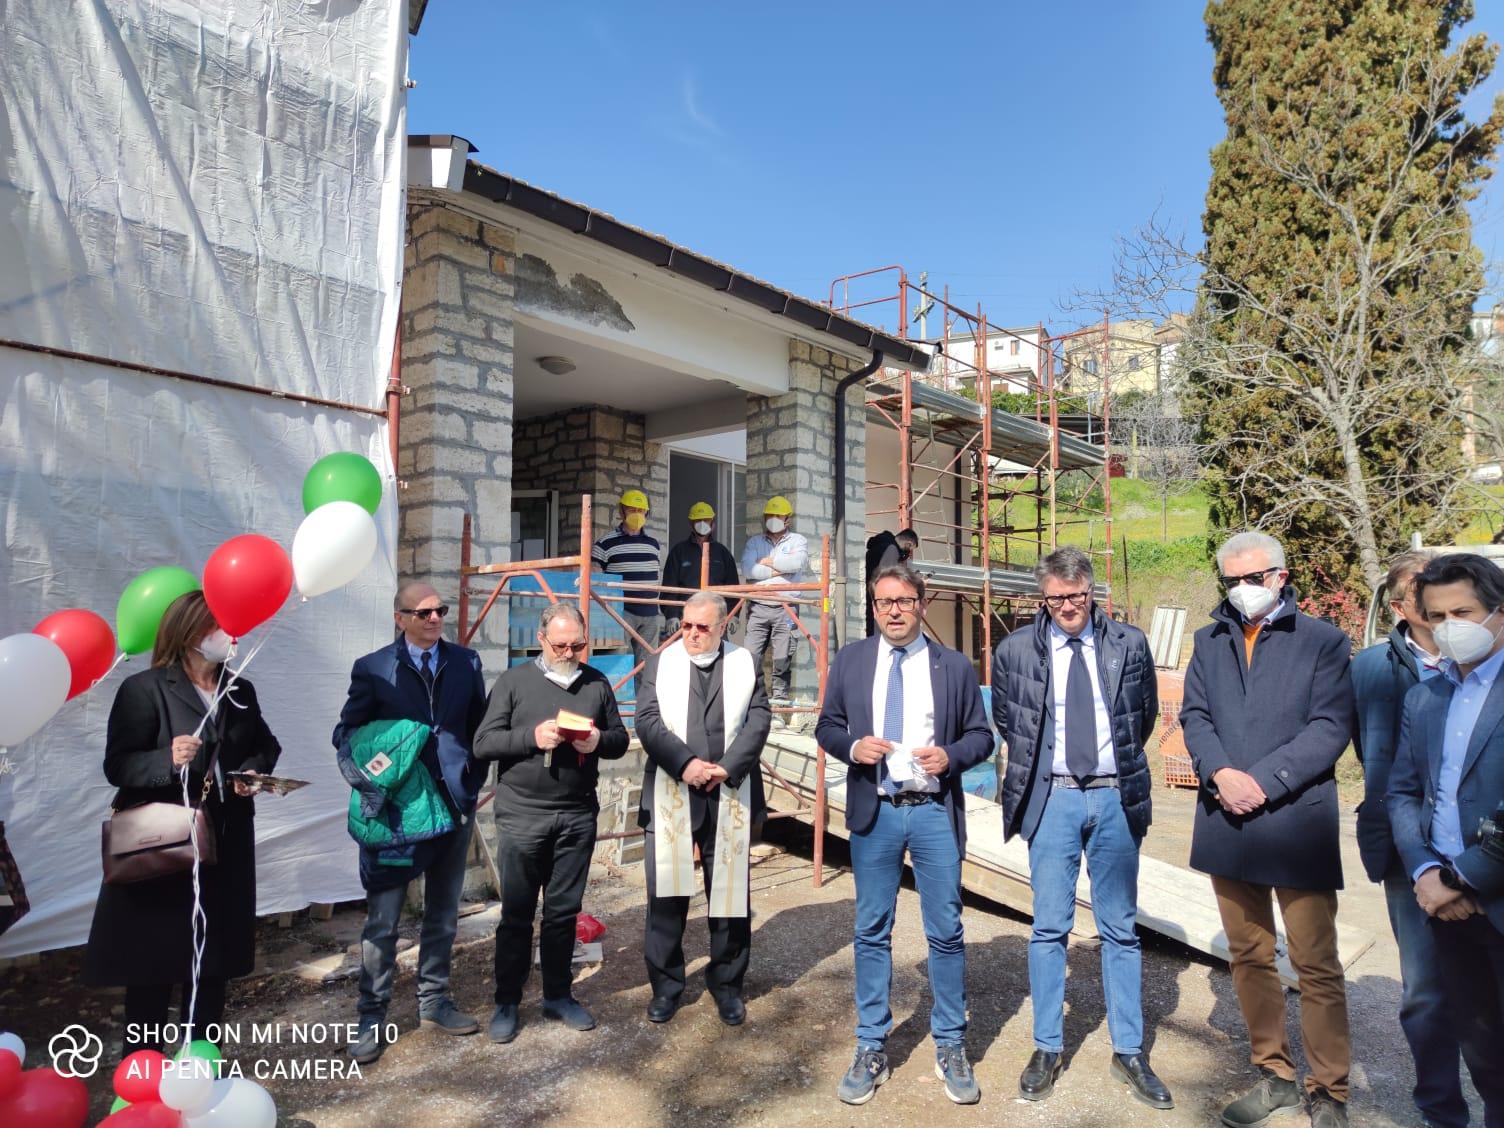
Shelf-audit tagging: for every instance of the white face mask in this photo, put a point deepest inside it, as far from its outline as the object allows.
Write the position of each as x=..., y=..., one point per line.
x=702, y=528
x=216, y=647
x=1464, y=641
x=775, y=525
x=704, y=660
x=1252, y=600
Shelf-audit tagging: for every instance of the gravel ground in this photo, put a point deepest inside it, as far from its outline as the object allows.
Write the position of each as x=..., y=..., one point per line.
x=782, y=1066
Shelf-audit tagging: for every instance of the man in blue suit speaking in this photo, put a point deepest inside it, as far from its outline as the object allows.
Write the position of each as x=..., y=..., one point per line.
x=1446, y=784
x=906, y=714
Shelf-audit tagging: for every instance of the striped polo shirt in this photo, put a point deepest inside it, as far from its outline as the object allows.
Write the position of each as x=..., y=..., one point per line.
x=634, y=558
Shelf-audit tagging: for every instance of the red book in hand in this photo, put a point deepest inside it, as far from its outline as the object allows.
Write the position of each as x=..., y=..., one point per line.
x=572, y=726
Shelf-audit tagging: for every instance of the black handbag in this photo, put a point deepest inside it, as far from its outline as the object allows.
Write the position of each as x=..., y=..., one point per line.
x=13, y=902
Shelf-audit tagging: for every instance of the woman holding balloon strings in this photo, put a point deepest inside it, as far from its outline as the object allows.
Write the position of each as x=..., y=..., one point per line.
x=142, y=936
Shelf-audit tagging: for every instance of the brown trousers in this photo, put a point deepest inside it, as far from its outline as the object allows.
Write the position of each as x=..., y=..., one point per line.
x=1310, y=918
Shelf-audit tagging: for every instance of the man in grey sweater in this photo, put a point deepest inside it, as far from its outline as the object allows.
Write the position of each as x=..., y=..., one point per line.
x=546, y=809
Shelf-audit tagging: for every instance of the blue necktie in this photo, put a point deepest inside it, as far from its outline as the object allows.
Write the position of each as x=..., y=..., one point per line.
x=1080, y=716
x=892, y=717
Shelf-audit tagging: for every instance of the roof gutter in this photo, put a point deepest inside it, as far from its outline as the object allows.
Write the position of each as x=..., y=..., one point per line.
x=838, y=454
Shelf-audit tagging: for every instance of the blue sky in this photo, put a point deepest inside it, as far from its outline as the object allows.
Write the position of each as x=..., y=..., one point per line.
x=1003, y=146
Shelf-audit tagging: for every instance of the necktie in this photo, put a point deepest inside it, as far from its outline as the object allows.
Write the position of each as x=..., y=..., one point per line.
x=427, y=670
x=892, y=717
x=1080, y=717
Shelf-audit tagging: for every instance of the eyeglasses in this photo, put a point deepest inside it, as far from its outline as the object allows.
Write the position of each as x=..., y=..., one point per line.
x=699, y=628
x=561, y=647
x=1074, y=598
x=425, y=612
x=1250, y=578
x=903, y=603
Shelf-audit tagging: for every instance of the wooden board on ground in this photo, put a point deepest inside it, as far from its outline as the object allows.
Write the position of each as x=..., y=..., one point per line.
x=1173, y=901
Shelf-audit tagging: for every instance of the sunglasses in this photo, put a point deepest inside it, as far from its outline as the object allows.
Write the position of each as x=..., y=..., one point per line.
x=699, y=628
x=572, y=647
x=1074, y=598
x=425, y=612
x=1250, y=578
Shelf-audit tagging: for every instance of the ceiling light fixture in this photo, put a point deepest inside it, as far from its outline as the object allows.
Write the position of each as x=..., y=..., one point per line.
x=557, y=365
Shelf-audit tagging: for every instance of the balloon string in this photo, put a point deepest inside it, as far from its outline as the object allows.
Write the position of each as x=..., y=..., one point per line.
x=119, y=658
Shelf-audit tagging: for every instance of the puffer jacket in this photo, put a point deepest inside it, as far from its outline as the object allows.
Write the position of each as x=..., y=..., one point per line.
x=1022, y=712
x=395, y=803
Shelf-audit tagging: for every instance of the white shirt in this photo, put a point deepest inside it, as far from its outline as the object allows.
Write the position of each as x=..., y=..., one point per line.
x=1060, y=668
x=918, y=713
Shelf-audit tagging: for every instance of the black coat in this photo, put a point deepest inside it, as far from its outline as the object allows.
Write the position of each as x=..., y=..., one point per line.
x=1284, y=720
x=142, y=933
x=682, y=570
x=1022, y=712
x=667, y=753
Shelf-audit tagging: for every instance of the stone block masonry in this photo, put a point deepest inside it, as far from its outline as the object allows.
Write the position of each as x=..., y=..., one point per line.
x=790, y=451
x=455, y=449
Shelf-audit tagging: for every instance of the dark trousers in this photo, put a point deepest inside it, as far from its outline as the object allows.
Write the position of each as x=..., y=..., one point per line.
x=146, y=1004
x=547, y=853
x=1471, y=953
x=663, y=946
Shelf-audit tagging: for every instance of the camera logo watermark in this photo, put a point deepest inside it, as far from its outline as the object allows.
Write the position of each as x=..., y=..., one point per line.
x=76, y=1052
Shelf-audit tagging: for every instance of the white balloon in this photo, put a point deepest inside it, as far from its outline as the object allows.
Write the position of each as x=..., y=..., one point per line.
x=13, y=1043
x=237, y=1102
x=187, y=1085
x=332, y=546
x=34, y=680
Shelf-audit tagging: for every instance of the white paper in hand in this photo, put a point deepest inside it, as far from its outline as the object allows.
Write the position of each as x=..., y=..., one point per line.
x=901, y=767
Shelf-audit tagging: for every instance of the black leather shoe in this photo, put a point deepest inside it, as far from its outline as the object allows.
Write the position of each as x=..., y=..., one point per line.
x=662, y=1009
x=732, y=1010
x=1133, y=1070
x=1039, y=1076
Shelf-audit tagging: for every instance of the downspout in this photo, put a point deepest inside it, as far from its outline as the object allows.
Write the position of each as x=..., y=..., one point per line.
x=838, y=455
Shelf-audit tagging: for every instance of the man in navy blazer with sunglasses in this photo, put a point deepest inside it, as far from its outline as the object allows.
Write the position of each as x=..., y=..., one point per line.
x=906, y=714
x=419, y=677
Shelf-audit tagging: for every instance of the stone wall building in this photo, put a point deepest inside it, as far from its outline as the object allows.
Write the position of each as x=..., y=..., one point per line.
x=655, y=352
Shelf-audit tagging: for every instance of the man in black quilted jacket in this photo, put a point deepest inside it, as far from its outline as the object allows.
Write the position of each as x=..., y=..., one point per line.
x=1074, y=699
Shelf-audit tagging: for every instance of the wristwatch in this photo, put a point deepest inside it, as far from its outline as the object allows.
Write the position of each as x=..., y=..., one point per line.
x=1452, y=879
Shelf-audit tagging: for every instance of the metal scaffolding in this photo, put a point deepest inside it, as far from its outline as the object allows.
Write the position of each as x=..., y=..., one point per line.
x=811, y=598
x=997, y=467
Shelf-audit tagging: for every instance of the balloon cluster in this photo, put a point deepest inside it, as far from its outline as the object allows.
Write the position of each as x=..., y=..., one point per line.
x=38, y=1098
x=186, y=1092
x=245, y=583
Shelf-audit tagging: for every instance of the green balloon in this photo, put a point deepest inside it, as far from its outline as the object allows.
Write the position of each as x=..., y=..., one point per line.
x=201, y=1048
x=143, y=603
x=120, y=1103
x=342, y=477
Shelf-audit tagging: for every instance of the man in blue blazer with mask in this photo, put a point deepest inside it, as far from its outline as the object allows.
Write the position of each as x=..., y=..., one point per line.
x=906, y=714
x=1446, y=786
x=419, y=677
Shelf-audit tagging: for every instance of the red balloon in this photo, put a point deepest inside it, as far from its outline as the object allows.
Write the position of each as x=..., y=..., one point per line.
x=87, y=641
x=145, y=1114
x=45, y=1099
x=138, y=1075
x=246, y=581
x=10, y=1073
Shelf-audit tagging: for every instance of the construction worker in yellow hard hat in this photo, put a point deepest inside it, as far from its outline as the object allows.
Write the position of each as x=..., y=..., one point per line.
x=682, y=568
x=775, y=555
x=631, y=555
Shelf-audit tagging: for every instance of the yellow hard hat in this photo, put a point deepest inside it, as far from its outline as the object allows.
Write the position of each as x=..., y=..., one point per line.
x=634, y=499
x=701, y=511
x=778, y=506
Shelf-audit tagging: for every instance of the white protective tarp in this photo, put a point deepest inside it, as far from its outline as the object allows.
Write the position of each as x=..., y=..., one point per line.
x=213, y=189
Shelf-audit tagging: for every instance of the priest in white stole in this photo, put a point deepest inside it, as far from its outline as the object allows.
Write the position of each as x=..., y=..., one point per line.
x=702, y=717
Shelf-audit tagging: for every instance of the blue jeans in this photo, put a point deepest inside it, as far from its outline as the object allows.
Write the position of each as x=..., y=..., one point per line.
x=877, y=865
x=1090, y=821
x=443, y=881
x=1423, y=1008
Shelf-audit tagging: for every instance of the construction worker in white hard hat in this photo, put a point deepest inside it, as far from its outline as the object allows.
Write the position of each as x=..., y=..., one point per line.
x=631, y=555
x=682, y=568
x=775, y=555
